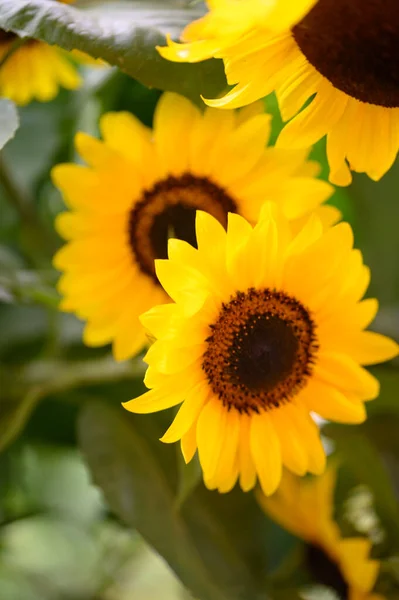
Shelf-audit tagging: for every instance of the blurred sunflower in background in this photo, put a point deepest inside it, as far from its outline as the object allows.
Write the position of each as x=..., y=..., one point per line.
x=33, y=70
x=340, y=55
x=142, y=186
x=266, y=326
x=305, y=508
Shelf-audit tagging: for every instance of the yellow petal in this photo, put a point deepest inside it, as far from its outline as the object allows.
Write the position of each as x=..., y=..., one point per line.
x=183, y=284
x=167, y=128
x=189, y=443
x=331, y=404
x=169, y=359
x=341, y=370
x=211, y=432
x=370, y=348
x=188, y=413
x=246, y=463
x=359, y=571
x=155, y=400
x=266, y=452
x=293, y=454
x=309, y=434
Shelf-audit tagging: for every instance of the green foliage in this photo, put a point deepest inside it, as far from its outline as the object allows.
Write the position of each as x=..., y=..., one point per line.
x=221, y=546
x=124, y=34
x=208, y=555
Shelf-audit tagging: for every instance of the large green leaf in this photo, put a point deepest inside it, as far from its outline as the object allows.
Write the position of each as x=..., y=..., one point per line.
x=212, y=541
x=8, y=121
x=122, y=33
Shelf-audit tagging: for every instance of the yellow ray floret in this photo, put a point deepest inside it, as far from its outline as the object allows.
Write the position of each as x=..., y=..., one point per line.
x=340, y=55
x=267, y=325
x=34, y=71
x=141, y=186
x=305, y=507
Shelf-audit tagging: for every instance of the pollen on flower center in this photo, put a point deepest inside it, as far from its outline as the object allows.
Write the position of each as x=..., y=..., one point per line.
x=326, y=572
x=260, y=351
x=355, y=46
x=168, y=210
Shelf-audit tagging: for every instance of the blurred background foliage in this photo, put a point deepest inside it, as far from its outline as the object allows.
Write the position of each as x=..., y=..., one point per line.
x=63, y=537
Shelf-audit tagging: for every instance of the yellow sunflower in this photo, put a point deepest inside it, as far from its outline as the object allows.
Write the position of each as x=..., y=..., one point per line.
x=34, y=70
x=342, y=55
x=305, y=507
x=141, y=187
x=266, y=326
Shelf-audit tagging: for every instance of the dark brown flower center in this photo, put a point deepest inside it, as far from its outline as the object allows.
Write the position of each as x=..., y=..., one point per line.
x=168, y=210
x=326, y=572
x=355, y=45
x=261, y=350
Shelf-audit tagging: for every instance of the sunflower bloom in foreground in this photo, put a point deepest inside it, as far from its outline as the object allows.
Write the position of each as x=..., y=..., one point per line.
x=35, y=70
x=344, y=55
x=305, y=507
x=266, y=326
x=142, y=186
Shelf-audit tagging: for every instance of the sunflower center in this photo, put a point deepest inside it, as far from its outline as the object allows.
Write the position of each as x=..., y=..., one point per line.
x=168, y=210
x=354, y=44
x=260, y=351
x=326, y=572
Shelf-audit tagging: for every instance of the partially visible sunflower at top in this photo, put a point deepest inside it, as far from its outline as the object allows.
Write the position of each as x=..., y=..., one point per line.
x=340, y=54
x=142, y=186
x=34, y=70
x=267, y=325
x=305, y=508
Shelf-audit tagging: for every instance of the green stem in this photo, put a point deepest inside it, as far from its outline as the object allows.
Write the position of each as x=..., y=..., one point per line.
x=49, y=377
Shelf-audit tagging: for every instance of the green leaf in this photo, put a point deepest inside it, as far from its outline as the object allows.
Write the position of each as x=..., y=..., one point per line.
x=9, y=121
x=212, y=543
x=189, y=476
x=377, y=213
x=124, y=34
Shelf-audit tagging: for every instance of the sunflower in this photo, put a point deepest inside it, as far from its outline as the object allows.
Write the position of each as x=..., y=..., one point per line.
x=141, y=187
x=266, y=326
x=34, y=70
x=340, y=55
x=305, y=507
